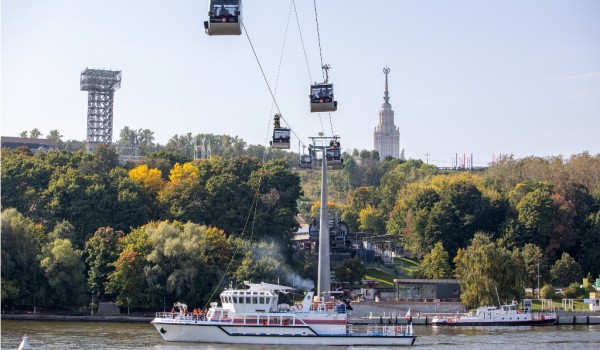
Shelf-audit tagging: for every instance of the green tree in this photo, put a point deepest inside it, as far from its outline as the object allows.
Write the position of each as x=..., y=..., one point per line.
x=63, y=230
x=589, y=257
x=83, y=200
x=483, y=267
x=351, y=271
x=436, y=264
x=177, y=265
x=547, y=292
x=535, y=263
x=128, y=279
x=64, y=271
x=35, y=133
x=22, y=278
x=566, y=271
x=24, y=176
x=263, y=262
x=278, y=190
x=100, y=254
x=55, y=135
x=371, y=220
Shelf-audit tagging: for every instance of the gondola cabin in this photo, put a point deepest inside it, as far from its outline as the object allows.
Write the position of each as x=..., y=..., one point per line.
x=334, y=157
x=306, y=161
x=224, y=17
x=321, y=98
x=281, y=138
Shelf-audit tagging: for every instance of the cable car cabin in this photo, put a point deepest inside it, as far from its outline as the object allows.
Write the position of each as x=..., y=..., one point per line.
x=321, y=98
x=281, y=138
x=334, y=157
x=224, y=17
x=306, y=161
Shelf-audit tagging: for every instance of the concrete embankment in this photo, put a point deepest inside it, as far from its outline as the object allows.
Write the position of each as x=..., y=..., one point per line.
x=70, y=318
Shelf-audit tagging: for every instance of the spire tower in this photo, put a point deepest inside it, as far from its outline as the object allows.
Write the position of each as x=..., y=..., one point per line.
x=387, y=135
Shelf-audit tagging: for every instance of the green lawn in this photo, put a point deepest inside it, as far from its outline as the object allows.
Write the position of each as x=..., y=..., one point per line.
x=385, y=279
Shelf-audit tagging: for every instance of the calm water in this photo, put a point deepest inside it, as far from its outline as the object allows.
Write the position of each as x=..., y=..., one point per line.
x=65, y=335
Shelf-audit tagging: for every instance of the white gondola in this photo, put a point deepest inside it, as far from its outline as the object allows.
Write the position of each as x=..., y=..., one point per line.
x=321, y=95
x=281, y=138
x=224, y=17
x=333, y=154
x=306, y=161
x=321, y=98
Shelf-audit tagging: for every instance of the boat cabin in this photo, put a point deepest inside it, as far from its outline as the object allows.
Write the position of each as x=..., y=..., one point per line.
x=321, y=98
x=224, y=17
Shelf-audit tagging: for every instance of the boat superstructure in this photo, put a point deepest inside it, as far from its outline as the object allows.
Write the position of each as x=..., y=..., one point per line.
x=255, y=316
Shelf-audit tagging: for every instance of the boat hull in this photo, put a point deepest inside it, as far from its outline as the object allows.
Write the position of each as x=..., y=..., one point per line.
x=270, y=335
x=547, y=321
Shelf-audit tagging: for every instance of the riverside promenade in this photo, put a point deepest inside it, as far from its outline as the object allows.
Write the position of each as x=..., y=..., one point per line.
x=365, y=312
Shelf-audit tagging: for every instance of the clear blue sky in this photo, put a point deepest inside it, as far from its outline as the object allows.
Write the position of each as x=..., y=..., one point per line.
x=467, y=76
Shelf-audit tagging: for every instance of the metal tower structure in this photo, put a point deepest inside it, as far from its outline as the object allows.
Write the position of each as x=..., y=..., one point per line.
x=101, y=86
x=324, y=268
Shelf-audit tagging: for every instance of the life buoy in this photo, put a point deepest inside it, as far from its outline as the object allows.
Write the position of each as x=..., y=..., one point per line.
x=298, y=307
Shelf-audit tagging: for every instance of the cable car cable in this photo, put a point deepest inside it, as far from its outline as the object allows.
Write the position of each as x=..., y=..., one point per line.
x=318, y=34
x=265, y=79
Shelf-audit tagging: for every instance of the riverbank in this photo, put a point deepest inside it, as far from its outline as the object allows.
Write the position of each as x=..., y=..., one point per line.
x=358, y=317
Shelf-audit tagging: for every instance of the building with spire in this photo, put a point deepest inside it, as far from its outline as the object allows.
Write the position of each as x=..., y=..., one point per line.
x=387, y=135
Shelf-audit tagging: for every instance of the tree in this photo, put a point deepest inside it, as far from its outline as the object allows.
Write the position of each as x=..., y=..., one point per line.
x=483, y=267
x=128, y=279
x=535, y=263
x=351, y=271
x=64, y=271
x=177, y=266
x=263, y=262
x=589, y=257
x=435, y=265
x=566, y=271
x=63, y=230
x=100, y=254
x=183, y=197
x=55, y=135
x=547, y=292
x=371, y=220
x=24, y=176
x=35, y=133
x=20, y=266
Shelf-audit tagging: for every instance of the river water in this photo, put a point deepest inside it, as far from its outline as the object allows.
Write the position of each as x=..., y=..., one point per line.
x=70, y=335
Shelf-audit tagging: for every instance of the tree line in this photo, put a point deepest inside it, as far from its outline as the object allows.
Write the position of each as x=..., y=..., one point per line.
x=78, y=225
x=518, y=215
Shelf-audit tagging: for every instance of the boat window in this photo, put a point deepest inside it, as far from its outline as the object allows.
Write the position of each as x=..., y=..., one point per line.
x=261, y=300
x=247, y=300
x=254, y=300
x=268, y=300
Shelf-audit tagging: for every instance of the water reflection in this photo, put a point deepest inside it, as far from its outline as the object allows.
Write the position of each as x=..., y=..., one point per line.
x=71, y=335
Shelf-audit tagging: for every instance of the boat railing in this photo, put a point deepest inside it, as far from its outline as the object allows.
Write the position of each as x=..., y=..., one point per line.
x=178, y=317
x=389, y=330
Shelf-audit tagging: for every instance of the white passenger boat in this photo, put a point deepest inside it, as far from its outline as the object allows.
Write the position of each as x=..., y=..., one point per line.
x=254, y=316
x=506, y=315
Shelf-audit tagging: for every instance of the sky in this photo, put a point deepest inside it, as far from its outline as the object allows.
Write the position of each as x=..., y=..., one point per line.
x=467, y=77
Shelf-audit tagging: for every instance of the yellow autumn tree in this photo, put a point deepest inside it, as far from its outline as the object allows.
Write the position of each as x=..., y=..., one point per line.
x=151, y=179
x=187, y=171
